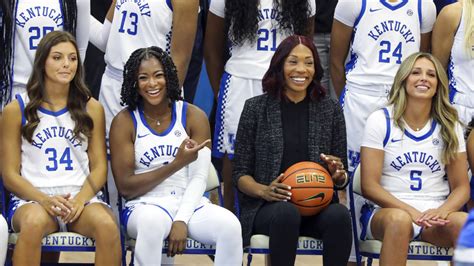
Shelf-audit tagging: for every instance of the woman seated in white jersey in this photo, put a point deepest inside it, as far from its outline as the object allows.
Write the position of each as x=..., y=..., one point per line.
x=413, y=159
x=56, y=163
x=160, y=161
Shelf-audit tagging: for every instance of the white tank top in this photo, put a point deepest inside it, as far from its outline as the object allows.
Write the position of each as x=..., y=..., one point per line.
x=153, y=150
x=55, y=157
x=138, y=24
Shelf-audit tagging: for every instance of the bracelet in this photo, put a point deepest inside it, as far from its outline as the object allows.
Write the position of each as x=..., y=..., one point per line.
x=346, y=180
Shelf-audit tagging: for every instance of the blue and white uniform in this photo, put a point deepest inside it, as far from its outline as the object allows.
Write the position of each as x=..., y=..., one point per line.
x=461, y=75
x=244, y=71
x=33, y=20
x=412, y=169
x=56, y=161
x=148, y=218
x=385, y=33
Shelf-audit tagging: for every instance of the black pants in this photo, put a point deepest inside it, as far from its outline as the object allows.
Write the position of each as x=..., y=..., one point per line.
x=282, y=222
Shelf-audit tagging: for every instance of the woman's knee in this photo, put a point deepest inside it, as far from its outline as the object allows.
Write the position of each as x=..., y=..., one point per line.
x=286, y=214
x=457, y=220
x=33, y=222
x=395, y=222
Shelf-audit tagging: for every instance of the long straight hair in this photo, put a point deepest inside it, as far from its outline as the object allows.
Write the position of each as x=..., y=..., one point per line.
x=441, y=109
x=69, y=12
x=78, y=95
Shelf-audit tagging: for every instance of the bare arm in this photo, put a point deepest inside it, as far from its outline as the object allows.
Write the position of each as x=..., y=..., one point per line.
x=443, y=32
x=214, y=44
x=340, y=41
x=458, y=184
x=185, y=17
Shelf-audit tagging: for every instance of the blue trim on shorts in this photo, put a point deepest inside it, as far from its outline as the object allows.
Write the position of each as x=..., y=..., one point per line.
x=127, y=211
x=342, y=97
x=219, y=117
x=22, y=109
x=387, y=120
x=366, y=212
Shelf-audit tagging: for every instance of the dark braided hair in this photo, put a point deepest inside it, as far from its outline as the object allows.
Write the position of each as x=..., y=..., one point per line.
x=69, y=12
x=129, y=93
x=241, y=18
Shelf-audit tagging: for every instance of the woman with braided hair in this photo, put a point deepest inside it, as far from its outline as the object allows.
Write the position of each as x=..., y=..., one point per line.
x=255, y=28
x=22, y=31
x=160, y=161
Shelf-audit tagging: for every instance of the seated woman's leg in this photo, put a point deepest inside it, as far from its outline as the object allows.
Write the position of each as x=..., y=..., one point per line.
x=149, y=225
x=447, y=235
x=33, y=223
x=97, y=221
x=281, y=222
x=394, y=227
x=215, y=225
x=333, y=226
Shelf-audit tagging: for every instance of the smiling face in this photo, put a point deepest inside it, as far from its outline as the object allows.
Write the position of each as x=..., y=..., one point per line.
x=61, y=64
x=422, y=82
x=151, y=81
x=299, y=71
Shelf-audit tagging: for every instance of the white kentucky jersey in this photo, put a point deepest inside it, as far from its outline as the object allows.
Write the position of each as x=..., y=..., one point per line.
x=137, y=24
x=412, y=167
x=461, y=69
x=33, y=20
x=55, y=157
x=153, y=149
x=252, y=59
x=384, y=34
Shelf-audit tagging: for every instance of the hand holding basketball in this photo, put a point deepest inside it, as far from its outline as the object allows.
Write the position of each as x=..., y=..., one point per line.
x=336, y=167
x=276, y=191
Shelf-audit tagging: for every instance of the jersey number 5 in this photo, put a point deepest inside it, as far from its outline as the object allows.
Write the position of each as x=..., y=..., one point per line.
x=53, y=158
x=415, y=176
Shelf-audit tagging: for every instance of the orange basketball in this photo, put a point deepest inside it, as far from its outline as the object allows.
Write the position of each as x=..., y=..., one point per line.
x=311, y=187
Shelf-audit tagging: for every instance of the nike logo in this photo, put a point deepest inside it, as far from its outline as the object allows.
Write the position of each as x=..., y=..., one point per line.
x=319, y=195
x=396, y=140
x=374, y=9
x=142, y=136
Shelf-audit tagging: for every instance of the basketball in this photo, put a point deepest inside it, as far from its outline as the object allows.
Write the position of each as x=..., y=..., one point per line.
x=311, y=187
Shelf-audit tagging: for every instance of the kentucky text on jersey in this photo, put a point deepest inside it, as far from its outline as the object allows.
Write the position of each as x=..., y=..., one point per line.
x=158, y=151
x=416, y=157
x=39, y=11
x=55, y=132
x=391, y=26
x=143, y=5
x=268, y=13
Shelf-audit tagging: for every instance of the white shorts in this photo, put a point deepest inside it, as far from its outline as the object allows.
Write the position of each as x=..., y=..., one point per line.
x=16, y=202
x=357, y=108
x=369, y=209
x=233, y=93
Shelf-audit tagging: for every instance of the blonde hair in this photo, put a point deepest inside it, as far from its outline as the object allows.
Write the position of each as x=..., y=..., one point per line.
x=468, y=13
x=441, y=110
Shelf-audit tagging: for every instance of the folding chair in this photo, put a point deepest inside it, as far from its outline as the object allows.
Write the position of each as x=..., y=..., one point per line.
x=417, y=250
x=55, y=242
x=192, y=246
x=259, y=244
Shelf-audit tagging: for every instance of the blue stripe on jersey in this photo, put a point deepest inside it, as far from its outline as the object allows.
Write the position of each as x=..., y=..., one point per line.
x=419, y=12
x=12, y=74
x=22, y=109
x=134, y=119
x=428, y=134
x=168, y=3
x=52, y=113
x=170, y=127
x=183, y=114
x=395, y=7
x=362, y=11
x=387, y=120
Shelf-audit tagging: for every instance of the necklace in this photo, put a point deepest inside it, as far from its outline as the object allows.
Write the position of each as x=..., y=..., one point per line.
x=152, y=119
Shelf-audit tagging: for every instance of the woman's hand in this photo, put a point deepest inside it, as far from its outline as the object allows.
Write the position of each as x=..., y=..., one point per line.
x=276, y=191
x=188, y=151
x=57, y=205
x=336, y=168
x=177, y=238
x=434, y=217
x=76, y=210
